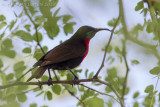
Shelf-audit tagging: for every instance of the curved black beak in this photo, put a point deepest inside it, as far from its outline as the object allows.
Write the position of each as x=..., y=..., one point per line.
x=99, y=29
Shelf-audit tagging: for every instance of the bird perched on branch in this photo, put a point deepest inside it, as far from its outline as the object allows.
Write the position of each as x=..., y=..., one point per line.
x=67, y=55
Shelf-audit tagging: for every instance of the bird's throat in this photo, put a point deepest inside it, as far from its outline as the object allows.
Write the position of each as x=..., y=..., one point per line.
x=86, y=41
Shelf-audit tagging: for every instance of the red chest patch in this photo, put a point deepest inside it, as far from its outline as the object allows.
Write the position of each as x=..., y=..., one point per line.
x=86, y=41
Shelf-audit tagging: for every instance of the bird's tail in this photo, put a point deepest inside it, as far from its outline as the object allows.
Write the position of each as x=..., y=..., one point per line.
x=38, y=73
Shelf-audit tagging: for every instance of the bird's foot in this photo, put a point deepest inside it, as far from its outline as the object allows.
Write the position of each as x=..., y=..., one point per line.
x=50, y=81
x=75, y=81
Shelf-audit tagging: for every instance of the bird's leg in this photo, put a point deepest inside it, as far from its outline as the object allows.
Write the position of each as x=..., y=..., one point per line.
x=75, y=76
x=50, y=78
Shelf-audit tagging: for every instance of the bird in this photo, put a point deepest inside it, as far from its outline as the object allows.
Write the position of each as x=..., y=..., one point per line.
x=68, y=54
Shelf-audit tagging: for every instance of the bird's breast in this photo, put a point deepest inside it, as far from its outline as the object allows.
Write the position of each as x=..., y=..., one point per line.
x=86, y=41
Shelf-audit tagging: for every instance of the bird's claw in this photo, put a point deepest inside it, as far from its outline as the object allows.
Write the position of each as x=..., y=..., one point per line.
x=75, y=81
x=50, y=81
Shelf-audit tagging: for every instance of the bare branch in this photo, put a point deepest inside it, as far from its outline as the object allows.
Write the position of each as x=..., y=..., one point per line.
x=106, y=48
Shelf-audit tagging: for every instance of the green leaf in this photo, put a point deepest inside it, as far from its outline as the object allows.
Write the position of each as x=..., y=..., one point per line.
x=91, y=75
x=19, y=66
x=136, y=94
x=46, y=5
x=7, y=44
x=56, y=12
x=149, y=89
x=11, y=98
x=86, y=73
x=117, y=50
x=39, y=20
x=112, y=22
x=68, y=27
x=94, y=102
x=135, y=62
x=155, y=71
x=139, y=6
x=38, y=55
x=150, y=27
x=2, y=24
x=51, y=27
x=12, y=24
x=112, y=72
x=56, y=89
x=9, y=53
x=1, y=63
x=39, y=37
x=72, y=89
x=33, y=105
x=24, y=35
x=66, y=18
x=26, y=50
x=44, y=78
x=136, y=104
x=2, y=18
x=49, y=95
x=27, y=27
x=22, y=97
x=10, y=76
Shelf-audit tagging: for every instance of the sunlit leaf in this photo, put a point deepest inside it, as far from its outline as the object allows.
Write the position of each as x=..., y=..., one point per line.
x=12, y=24
x=139, y=6
x=2, y=24
x=155, y=71
x=66, y=18
x=95, y=102
x=135, y=62
x=149, y=89
x=24, y=35
x=39, y=35
x=56, y=12
x=2, y=18
x=136, y=94
x=33, y=105
x=68, y=27
x=38, y=55
x=56, y=89
x=136, y=104
x=1, y=63
x=27, y=27
x=26, y=50
x=49, y=95
x=10, y=76
x=22, y=97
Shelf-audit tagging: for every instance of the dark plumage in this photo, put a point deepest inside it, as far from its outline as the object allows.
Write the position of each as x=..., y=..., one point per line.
x=67, y=55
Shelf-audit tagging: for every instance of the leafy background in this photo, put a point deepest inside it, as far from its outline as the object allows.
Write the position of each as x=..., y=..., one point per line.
x=55, y=21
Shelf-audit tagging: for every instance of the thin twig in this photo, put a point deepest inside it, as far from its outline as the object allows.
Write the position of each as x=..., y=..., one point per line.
x=106, y=48
x=127, y=69
x=99, y=92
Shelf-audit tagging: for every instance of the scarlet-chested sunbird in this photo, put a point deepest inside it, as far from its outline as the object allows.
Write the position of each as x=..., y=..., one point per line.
x=67, y=55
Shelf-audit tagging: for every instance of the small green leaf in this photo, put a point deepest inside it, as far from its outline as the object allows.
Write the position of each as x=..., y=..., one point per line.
x=68, y=27
x=56, y=89
x=91, y=75
x=112, y=72
x=139, y=6
x=7, y=44
x=95, y=102
x=136, y=94
x=10, y=76
x=26, y=50
x=44, y=78
x=149, y=89
x=22, y=97
x=49, y=95
x=66, y=18
x=155, y=71
x=38, y=55
x=117, y=50
x=150, y=27
x=24, y=35
x=112, y=22
x=33, y=105
x=86, y=73
x=1, y=63
x=19, y=66
x=2, y=18
x=27, y=27
x=11, y=97
x=9, y=53
x=135, y=62
x=12, y=24
x=2, y=24
x=56, y=12
x=136, y=104
x=39, y=37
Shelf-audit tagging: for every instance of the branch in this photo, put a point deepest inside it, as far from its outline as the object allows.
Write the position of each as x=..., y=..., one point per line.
x=106, y=48
x=99, y=92
x=127, y=69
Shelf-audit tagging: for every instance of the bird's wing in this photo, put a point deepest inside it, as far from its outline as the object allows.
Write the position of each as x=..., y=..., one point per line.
x=62, y=53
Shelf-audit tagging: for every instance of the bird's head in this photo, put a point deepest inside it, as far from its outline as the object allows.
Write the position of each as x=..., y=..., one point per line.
x=87, y=32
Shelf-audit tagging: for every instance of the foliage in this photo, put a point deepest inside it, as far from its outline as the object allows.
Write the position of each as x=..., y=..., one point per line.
x=43, y=20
